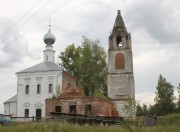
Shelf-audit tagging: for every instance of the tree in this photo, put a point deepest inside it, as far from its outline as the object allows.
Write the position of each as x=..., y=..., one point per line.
x=88, y=64
x=70, y=59
x=130, y=111
x=164, y=100
x=178, y=100
x=129, y=108
x=145, y=109
x=139, y=110
x=153, y=109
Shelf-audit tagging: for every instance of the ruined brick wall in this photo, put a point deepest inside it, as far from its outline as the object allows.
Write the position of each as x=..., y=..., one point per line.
x=98, y=107
x=67, y=79
x=73, y=101
x=51, y=104
x=101, y=108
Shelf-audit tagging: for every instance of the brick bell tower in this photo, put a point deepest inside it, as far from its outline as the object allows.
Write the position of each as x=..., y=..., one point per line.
x=120, y=79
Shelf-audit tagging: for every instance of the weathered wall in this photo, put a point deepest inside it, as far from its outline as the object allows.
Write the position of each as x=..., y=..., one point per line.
x=66, y=80
x=98, y=107
x=120, y=86
x=10, y=109
x=33, y=100
x=120, y=79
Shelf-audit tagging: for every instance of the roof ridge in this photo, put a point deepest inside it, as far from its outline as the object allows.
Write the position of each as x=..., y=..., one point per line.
x=42, y=67
x=12, y=99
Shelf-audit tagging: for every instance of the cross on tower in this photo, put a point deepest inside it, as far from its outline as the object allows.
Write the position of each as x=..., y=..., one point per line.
x=49, y=22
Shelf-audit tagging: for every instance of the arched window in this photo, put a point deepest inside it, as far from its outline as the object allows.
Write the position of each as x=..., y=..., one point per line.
x=119, y=61
x=119, y=41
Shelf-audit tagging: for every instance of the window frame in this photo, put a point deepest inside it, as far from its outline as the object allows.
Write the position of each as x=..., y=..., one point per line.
x=58, y=109
x=26, y=112
x=27, y=89
x=38, y=91
x=119, y=41
x=50, y=88
x=88, y=109
x=119, y=61
x=72, y=109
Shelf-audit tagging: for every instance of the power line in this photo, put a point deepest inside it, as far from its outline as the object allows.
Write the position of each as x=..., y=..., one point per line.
x=20, y=18
x=38, y=23
x=26, y=21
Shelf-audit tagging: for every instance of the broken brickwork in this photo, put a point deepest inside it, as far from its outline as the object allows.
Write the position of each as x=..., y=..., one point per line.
x=73, y=101
x=67, y=79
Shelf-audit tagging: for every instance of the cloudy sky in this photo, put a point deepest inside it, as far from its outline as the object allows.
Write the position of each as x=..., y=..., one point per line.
x=154, y=26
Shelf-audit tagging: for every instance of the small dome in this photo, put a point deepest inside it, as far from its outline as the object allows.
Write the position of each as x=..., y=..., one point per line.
x=49, y=38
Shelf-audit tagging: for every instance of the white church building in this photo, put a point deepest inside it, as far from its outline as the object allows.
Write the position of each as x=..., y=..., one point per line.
x=37, y=83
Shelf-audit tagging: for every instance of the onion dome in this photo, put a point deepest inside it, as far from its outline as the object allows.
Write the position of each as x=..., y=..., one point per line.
x=49, y=38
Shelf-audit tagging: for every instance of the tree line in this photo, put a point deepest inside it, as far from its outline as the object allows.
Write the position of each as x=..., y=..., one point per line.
x=165, y=101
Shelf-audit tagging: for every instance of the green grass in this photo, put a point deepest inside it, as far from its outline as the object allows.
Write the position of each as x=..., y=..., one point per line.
x=170, y=119
x=169, y=123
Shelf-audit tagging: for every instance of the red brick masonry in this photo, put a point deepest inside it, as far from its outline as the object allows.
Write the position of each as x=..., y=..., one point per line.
x=72, y=100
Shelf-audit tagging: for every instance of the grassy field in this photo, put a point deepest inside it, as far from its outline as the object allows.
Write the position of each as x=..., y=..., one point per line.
x=169, y=123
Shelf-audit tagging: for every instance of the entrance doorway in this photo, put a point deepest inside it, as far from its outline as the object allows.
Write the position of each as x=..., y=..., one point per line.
x=38, y=114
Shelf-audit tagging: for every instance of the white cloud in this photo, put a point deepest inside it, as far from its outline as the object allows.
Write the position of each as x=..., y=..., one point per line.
x=145, y=98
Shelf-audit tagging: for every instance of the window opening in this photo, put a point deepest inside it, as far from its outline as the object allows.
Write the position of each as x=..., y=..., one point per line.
x=119, y=41
x=27, y=89
x=26, y=113
x=72, y=109
x=58, y=109
x=50, y=88
x=38, y=89
x=87, y=109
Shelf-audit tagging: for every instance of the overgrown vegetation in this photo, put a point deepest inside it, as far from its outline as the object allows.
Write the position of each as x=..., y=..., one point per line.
x=130, y=110
x=168, y=123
